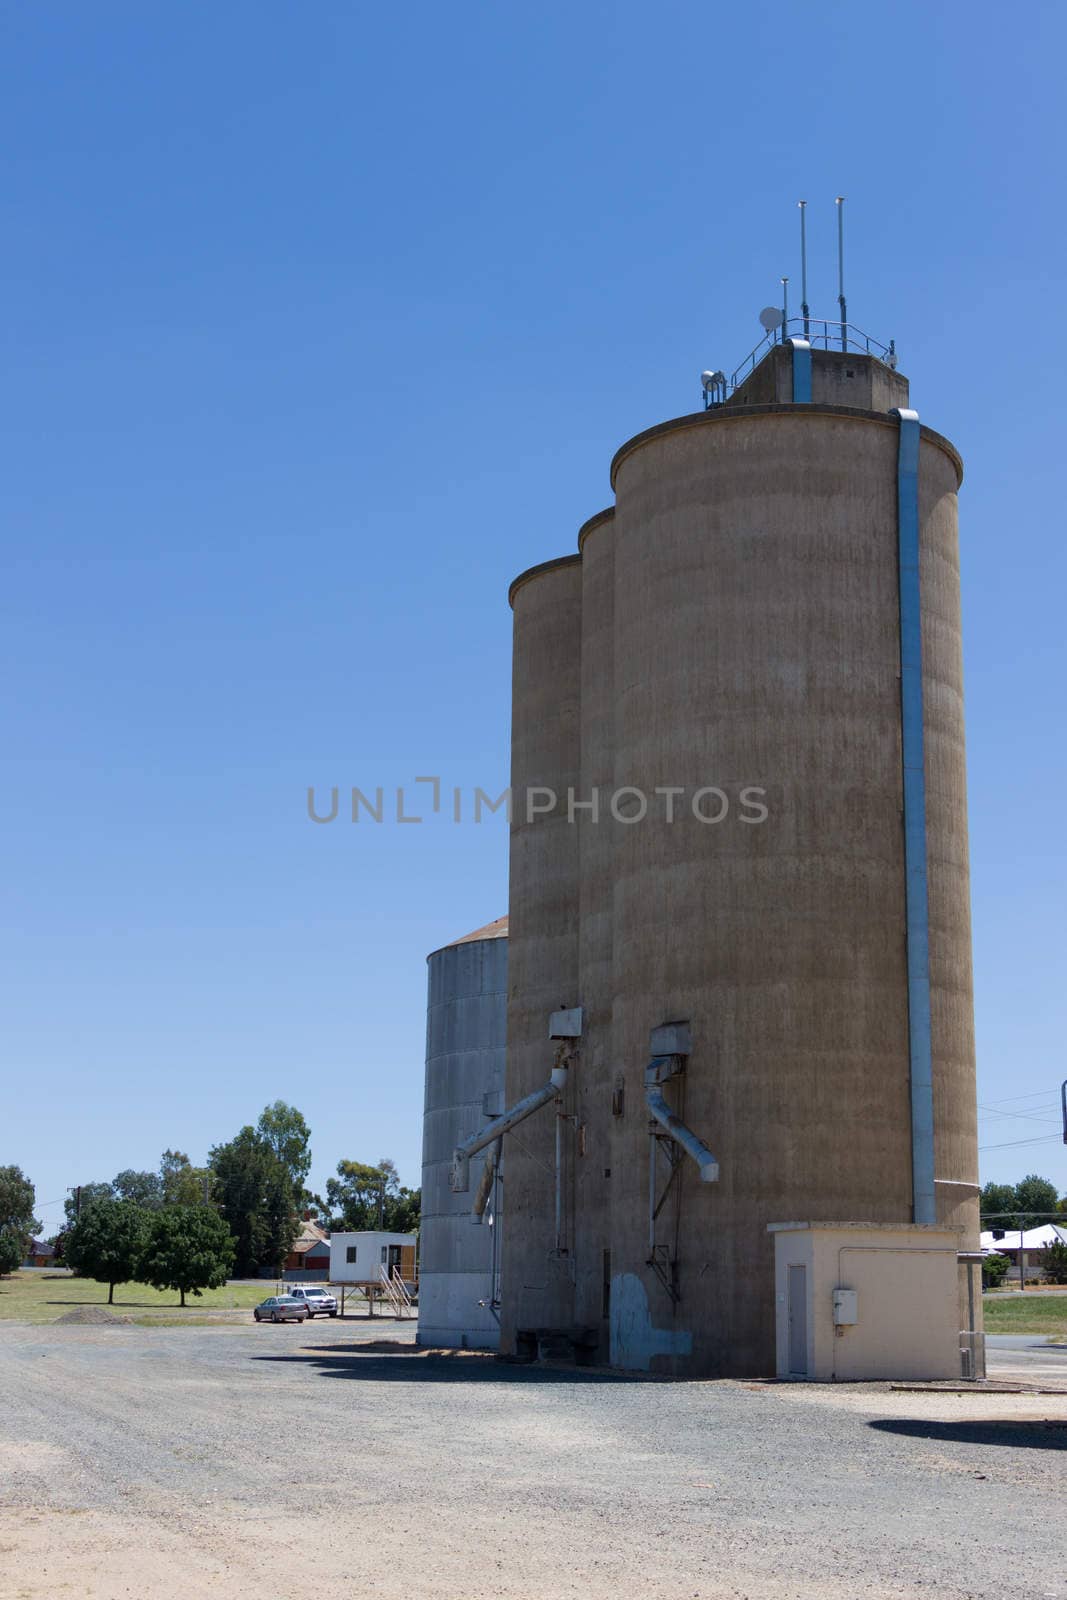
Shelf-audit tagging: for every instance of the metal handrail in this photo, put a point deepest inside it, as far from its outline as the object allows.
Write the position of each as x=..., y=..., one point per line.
x=824, y=333
x=396, y=1290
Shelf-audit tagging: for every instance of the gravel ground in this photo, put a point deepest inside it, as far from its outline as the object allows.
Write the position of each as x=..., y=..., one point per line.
x=156, y=1463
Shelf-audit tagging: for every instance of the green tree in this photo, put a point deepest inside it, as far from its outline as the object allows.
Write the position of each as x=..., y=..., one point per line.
x=143, y=1188
x=994, y=1270
x=12, y=1250
x=288, y=1135
x=255, y=1197
x=1026, y=1203
x=1033, y=1196
x=79, y=1200
x=362, y=1196
x=1054, y=1261
x=189, y=1248
x=358, y=1195
x=107, y=1243
x=17, y=1197
x=280, y=1221
x=182, y=1183
x=402, y=1211
x=997, y=1198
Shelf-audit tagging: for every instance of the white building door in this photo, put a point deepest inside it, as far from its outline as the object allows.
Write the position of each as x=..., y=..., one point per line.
x=798, y=1321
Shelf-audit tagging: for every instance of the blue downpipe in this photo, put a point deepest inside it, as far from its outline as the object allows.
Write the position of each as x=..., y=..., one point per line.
x=914, y=775
x=801, y=371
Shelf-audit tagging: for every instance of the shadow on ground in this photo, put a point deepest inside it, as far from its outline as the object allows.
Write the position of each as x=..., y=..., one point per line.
x=416, y=1366
x=1015, y=1432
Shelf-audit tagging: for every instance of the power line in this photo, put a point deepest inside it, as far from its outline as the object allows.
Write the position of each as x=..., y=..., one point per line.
x=1025, y=1116
x=1013, y=1144
x=1034, y=1094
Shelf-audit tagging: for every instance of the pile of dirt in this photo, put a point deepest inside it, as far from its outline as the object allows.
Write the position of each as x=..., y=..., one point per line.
x=96, y=1315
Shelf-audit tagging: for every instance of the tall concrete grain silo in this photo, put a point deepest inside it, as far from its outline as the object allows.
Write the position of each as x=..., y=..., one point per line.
x=466, y=1029
x=740, y=1037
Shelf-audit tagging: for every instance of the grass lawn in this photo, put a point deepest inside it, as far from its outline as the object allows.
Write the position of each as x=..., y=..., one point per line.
x=1031, y=1313
x=46, y=1296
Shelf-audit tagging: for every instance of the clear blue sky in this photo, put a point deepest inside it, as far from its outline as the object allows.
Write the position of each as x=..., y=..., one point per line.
x=319, y=323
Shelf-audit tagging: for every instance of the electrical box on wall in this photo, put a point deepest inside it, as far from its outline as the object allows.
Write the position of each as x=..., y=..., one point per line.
x=671, y=1039
x=846, y=1312
x=566, y=1024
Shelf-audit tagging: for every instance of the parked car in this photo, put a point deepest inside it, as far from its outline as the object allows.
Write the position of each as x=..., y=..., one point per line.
x=281, y=1308
x=320, y=1302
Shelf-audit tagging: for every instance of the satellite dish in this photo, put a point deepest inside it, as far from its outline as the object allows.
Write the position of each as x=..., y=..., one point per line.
x=770, y=319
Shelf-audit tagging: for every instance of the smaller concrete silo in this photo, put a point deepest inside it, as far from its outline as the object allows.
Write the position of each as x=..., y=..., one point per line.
x=466, y=1035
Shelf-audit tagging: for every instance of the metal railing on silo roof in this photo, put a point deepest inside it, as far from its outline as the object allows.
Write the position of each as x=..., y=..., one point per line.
x=822, y=333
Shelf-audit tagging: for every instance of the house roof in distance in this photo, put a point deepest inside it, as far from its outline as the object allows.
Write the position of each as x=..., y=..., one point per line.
x=310, y=1236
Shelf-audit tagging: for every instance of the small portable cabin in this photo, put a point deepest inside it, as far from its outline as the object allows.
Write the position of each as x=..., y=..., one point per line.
x=359, y=1258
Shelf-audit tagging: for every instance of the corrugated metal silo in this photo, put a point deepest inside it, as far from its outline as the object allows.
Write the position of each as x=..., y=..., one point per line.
x=466, y=1031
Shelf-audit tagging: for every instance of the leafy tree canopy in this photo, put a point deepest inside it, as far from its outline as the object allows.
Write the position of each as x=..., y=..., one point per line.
x=366, y=1196
x=90, y=1194
x=143, y=1188
x=357, y=1195
x=1034, y=1195
x=189, y=1248
x=402, y=1211
x=17, y=1198
x=997, y=1198
x=1054, y=1261
x=289, y=1136
x=182, y=1183
x=107, y=1242
x=12, y=1250
x=255, y=1197
x=1024, y=1202
x=994, y=1270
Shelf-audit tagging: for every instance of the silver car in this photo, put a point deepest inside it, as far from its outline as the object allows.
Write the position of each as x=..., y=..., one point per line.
x=280, y=1308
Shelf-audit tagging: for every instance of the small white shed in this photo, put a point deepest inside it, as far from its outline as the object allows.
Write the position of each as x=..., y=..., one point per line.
x=360, y=1257
x=858, y=1301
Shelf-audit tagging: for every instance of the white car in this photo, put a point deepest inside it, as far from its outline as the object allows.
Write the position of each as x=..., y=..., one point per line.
x=319, y=1302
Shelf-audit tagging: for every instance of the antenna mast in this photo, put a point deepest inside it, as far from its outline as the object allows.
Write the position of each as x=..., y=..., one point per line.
x=840, y=203
x=804, y=309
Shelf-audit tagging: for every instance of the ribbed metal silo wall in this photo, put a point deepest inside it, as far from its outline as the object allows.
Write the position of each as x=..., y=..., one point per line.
x=538, y=1289
x=593, y=1086
x=466, y=1033
x=756, y=643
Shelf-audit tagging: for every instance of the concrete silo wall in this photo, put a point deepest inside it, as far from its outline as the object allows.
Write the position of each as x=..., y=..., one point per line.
x=738, y=621
x=542, y=930
x=591, y=1240
x=757, y=595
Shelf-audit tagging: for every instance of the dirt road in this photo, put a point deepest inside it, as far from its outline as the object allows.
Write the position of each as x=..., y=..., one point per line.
x=158, y=1463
